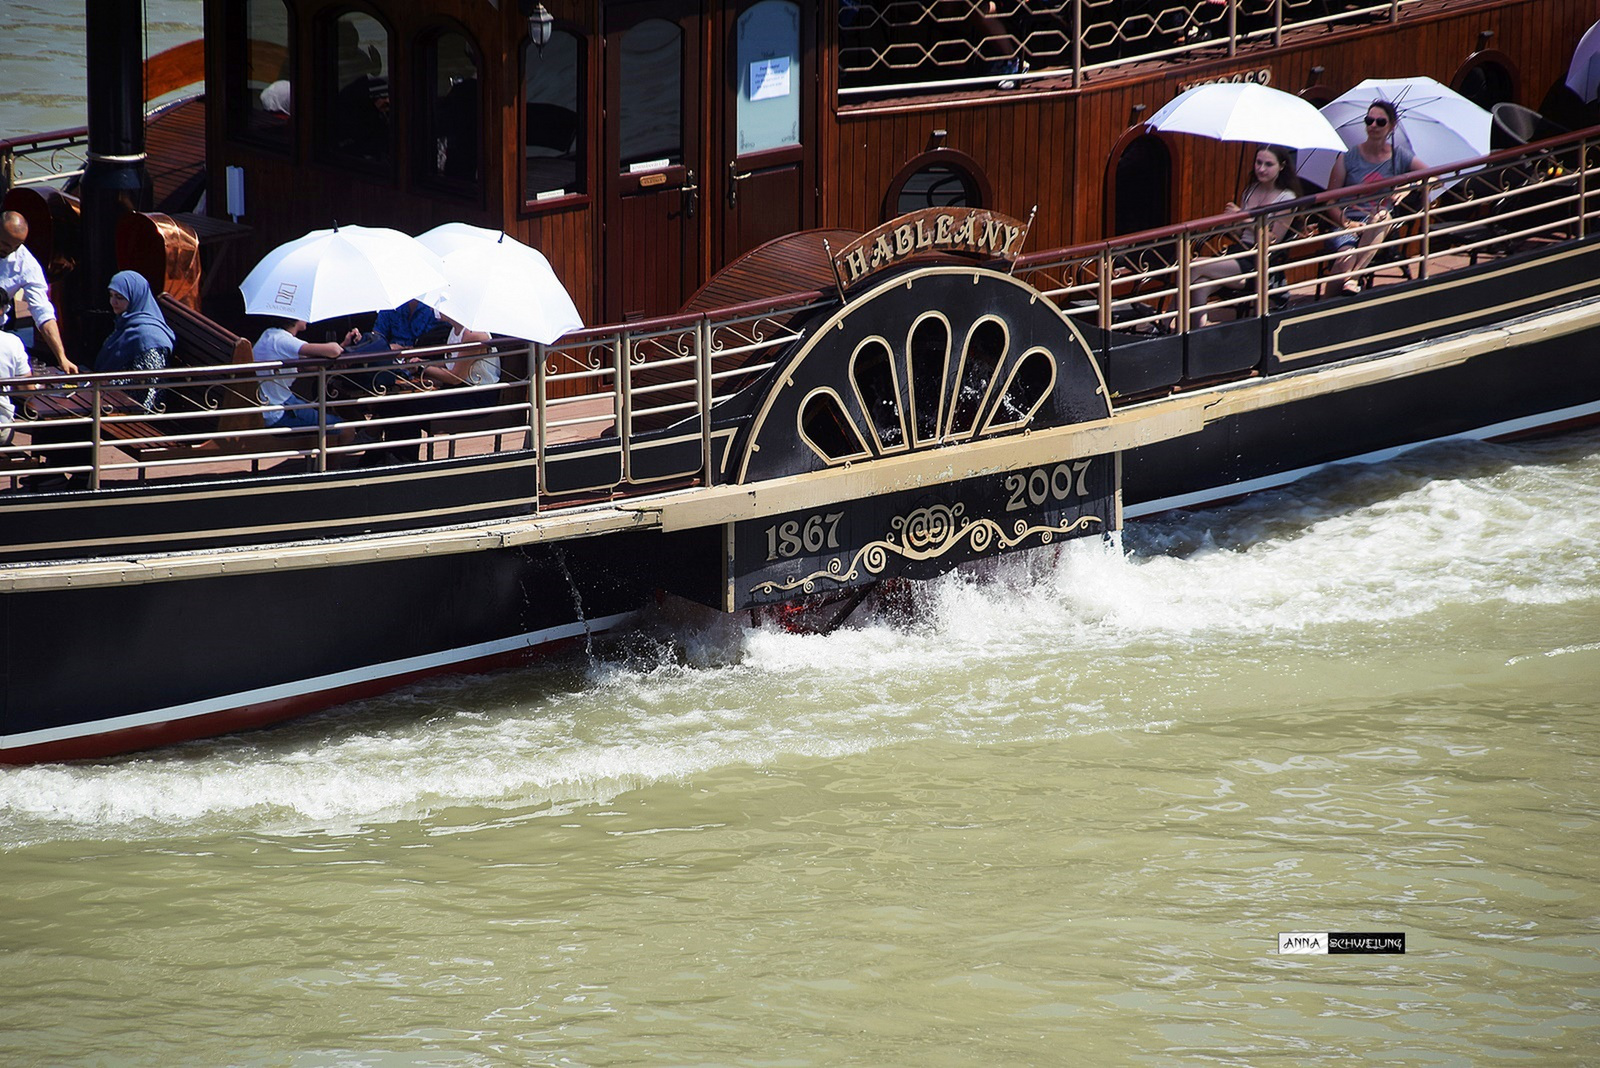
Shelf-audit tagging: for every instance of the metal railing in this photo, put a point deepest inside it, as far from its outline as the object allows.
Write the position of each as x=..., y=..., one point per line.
x=40, y=158
x=1420, y=226
x=616, y=393
x=888, y=47
x=632, y=406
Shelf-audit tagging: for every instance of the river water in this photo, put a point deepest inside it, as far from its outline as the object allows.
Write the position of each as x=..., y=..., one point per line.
x=1059, y=816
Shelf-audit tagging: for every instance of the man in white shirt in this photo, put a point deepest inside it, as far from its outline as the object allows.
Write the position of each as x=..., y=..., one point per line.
x=13, y=364
x=21, y=273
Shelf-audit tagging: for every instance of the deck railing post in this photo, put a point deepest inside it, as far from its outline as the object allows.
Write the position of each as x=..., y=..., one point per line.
x=1277, y=22
x=1077, y=44
x=1103, y=296
x=322, y=418
x=1427, y=228
x=8, y=170
x=621, y=348
x=1233, y=28
x=95, y=434
x=540, y=386
x=1263, y=268
x=703, y=373
x=1185, y=257
x=536, y=360
x=1583, y=188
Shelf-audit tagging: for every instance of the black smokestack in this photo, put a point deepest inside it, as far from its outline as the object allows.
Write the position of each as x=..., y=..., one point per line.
x=115, y=180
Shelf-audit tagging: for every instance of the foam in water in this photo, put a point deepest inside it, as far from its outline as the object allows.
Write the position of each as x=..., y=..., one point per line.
x=1041, y=646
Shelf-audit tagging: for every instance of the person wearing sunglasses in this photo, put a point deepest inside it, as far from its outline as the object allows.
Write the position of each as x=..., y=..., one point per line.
x=1376, y=159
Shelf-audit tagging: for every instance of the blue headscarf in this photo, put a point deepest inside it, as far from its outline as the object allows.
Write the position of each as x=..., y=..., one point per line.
x=137, y=330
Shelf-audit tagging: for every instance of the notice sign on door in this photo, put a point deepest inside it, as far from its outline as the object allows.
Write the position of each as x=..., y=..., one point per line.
x=769, y=78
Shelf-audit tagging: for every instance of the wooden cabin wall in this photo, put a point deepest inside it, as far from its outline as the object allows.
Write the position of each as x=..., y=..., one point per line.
x=289, y=194
x=1053, y=148
x=1037, y=145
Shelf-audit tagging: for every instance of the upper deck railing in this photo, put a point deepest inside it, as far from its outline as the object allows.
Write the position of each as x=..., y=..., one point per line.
x=637, y=401
x=889, y=47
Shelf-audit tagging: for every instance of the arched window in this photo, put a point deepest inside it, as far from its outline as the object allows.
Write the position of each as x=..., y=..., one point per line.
x=449, y=113
x=354, y=54
x=1139, y=196
x=1487, y=78
x=261, y=95
x=942, y=178
x=553, y=119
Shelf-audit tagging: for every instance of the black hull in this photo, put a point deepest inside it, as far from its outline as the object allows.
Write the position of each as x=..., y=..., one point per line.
x=1492, y=396
x=168, y=661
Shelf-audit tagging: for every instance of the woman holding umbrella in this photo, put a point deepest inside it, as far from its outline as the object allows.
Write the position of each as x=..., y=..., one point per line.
x=1274, y=182
x=1376, y=158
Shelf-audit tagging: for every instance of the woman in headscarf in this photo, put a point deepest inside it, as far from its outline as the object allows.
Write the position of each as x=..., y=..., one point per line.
x=140, y=338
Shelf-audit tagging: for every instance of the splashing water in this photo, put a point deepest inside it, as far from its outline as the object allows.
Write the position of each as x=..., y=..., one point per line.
x=1229, y=606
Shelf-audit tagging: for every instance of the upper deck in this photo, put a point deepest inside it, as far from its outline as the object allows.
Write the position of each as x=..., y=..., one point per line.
x=645, y=146
x=622, y=415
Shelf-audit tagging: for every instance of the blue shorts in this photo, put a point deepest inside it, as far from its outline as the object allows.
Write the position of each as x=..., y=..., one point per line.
x=1340, y=240
x=297, y=418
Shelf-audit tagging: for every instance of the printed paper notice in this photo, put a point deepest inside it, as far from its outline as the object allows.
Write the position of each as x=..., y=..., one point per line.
x=769, y=78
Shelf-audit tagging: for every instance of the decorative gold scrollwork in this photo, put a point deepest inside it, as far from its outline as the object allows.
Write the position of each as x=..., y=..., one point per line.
x=927, y=533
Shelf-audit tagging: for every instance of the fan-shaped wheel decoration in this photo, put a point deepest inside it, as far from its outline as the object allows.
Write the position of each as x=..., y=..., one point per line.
x=939, y=358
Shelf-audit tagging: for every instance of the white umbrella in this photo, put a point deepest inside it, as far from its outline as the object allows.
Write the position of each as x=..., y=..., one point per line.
x=1583, y=75
x=342, y=271
x=1229, y=111
x=1438, y=124
x=496, y=284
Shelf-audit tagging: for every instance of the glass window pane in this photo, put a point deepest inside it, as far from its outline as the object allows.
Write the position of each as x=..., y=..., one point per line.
x=652, y=93
x=937, y=186
x=451, y=148
x=769, y=89
x=268, y=92
x=360, y=114
x=553, y=118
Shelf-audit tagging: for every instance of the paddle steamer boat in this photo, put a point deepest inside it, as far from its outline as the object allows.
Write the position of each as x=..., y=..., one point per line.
x=884, y=288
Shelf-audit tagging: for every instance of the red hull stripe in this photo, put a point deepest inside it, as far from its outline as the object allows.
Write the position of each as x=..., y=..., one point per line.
x=275, y=704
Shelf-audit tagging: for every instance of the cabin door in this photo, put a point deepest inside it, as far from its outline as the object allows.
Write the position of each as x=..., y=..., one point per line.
x=654, y=211
x=765, y=186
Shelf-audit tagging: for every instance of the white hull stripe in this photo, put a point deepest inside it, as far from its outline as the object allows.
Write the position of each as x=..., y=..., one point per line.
x=1255, y=485
x=267, y=694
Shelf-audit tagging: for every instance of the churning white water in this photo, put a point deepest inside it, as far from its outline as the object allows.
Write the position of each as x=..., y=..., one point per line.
x=1336, y=569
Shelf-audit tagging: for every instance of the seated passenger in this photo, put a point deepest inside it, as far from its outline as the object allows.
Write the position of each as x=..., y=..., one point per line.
x=1376, y=159
x=476, y=366
x=281, y=344
x=1274, y=183
x=13, y=364
x=140, y=338
x=403, y=327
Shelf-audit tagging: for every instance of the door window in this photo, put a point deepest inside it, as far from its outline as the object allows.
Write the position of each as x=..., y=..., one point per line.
x=651, y=124
x=769, y=85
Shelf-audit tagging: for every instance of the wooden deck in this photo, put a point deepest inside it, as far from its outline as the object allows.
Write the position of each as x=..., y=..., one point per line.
x=175, y=139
